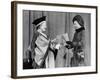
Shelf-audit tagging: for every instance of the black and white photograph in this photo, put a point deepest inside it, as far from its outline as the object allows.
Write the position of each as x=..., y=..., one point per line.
x=54, y=39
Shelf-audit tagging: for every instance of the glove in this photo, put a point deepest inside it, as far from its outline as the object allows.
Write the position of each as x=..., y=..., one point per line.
x=68, y=46
x=69, y=42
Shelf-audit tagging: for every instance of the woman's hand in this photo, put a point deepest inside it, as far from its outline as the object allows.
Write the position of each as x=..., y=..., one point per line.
x=57, y=46
x=69, y=44
x=52, y=45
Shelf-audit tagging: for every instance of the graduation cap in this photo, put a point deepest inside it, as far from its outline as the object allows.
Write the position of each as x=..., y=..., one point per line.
x=39, y=20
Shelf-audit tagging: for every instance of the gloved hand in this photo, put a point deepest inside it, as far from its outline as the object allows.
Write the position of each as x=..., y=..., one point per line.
x=69, y=44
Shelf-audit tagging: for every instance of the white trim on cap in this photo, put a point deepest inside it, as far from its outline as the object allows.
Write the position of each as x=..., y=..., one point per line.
x=40, y=23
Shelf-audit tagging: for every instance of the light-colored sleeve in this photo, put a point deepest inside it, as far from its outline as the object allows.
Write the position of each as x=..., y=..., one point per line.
x=40, y=50
x=42, y=43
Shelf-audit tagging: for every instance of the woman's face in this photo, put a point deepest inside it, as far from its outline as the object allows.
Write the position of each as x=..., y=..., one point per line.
x=43, y=26
x=76, y=25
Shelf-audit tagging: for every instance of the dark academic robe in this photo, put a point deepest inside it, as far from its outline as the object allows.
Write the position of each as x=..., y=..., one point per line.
x=78, y=46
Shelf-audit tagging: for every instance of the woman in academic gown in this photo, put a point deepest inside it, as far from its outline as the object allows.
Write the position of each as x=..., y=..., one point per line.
x=40, y=43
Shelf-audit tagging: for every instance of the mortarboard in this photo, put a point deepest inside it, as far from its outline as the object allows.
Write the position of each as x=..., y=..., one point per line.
x=39, y=20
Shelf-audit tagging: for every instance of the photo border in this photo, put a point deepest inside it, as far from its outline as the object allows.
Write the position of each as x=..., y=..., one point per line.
x=14, y=37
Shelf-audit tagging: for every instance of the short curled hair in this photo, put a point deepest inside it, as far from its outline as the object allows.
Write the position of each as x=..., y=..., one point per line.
x=79, y=19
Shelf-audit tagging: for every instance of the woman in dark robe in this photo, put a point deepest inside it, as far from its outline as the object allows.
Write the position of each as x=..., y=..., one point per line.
x=78, y=42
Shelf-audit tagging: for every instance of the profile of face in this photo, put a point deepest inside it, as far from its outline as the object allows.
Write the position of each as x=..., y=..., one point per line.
x=43, y=26
x=76, y=25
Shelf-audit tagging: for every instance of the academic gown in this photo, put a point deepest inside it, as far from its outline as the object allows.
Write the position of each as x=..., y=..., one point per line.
x=41, y=47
